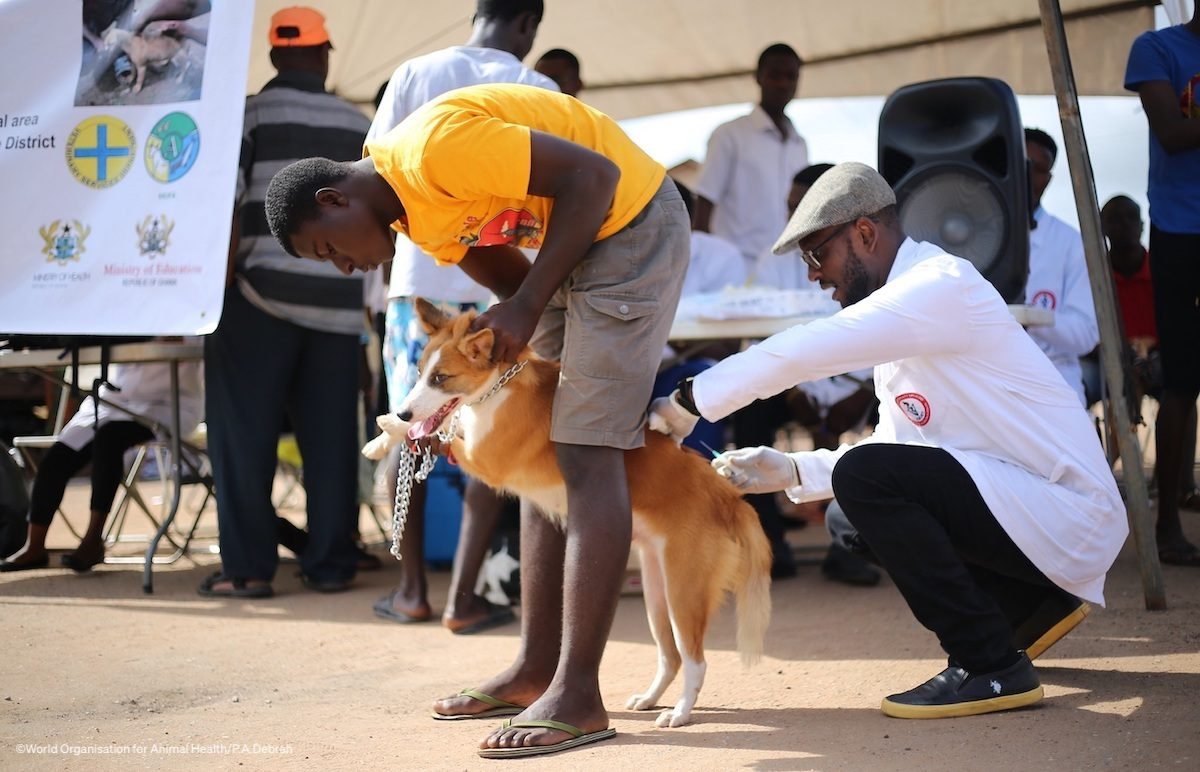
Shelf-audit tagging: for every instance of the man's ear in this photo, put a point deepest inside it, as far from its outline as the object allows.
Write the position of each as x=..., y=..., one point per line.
x=331, y=197
x=477, y=347
x=431, y=317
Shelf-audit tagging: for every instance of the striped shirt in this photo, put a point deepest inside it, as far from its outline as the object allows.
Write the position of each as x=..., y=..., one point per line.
x=293, y=117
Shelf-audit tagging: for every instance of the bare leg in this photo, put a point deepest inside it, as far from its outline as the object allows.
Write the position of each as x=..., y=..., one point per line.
x=35, y=546
x=599, y=528
x=411, y=596
x=1173, y=411
x=481, y=510
x=542, y=546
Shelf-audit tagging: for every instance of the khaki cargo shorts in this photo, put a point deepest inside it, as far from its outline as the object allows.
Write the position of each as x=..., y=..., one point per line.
x=608, y=324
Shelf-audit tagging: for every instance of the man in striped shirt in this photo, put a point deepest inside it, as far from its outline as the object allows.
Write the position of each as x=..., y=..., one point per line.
x=288, y=340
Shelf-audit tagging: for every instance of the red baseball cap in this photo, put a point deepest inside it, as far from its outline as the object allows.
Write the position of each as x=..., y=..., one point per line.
x=297, y=27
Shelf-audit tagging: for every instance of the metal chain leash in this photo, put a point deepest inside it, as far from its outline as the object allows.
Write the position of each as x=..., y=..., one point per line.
x=409, y=474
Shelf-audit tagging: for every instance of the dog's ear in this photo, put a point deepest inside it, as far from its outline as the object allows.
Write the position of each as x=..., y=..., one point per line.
x=432, y=318
x=477, y=347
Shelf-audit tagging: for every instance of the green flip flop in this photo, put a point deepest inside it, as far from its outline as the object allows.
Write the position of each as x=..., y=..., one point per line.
x=498, y=707
x=578, y=737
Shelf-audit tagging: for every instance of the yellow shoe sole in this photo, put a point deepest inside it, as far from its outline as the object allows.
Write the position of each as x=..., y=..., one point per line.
x=1054, y=634
x=974, y=708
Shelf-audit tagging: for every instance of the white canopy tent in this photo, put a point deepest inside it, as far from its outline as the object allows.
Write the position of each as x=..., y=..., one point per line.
x=643, y=57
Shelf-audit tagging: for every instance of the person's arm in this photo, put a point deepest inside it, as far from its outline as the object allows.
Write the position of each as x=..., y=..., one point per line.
x=1174, y=132
x=920, y=313
x=582, y=183
x=1075, y=331
x=719, y=161
x=500, y=268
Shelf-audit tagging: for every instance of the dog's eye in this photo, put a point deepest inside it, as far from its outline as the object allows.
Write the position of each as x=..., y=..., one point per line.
x=437, y=379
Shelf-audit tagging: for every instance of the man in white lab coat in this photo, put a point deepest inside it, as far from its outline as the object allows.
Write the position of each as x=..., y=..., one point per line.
x=983, y=492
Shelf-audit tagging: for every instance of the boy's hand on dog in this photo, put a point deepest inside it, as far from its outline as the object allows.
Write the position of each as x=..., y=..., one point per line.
x=758, y=470
x=512, y=324
x=667, y=416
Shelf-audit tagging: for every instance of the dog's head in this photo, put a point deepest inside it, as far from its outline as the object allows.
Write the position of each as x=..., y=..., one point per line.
x=456, y=367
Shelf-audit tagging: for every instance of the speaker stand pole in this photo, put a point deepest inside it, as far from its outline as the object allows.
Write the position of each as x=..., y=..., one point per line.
x=1111, y=340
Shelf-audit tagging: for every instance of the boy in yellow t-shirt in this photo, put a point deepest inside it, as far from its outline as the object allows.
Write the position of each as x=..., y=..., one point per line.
x=470, y=177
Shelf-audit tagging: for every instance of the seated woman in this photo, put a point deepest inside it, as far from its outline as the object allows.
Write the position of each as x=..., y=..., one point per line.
x=101, y=434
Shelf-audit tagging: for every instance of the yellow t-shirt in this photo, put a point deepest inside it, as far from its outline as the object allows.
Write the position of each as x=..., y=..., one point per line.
x=460, y=165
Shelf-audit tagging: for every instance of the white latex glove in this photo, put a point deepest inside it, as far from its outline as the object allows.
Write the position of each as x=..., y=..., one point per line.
x=667, y=416
x=758, y=470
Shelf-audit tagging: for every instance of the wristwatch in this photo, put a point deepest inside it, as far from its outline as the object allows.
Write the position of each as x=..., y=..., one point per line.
x=685, y=400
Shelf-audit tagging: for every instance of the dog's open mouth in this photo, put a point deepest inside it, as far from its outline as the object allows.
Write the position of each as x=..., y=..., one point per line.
x=431, y=424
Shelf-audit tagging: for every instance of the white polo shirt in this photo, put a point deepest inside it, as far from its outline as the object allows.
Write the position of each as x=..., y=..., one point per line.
x=715, y=265
x=414, y=83
x=747, y=175
x=1058, y=281
x=954, y=370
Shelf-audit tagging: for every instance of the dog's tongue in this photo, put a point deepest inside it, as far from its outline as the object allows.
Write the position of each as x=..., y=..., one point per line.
x=431, y=424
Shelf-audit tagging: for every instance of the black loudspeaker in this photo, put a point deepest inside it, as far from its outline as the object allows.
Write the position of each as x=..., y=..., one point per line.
x=954, y=151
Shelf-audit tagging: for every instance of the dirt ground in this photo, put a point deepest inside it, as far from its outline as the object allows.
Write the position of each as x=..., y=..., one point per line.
x=97, y=675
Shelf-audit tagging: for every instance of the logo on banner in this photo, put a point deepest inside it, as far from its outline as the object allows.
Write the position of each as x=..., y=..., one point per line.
x=100, y=151
x=154, y=235
x=915, y=407
x=172, y=147
x=64, y=241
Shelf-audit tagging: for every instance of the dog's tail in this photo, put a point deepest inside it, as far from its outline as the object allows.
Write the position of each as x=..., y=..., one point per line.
x=754, y=591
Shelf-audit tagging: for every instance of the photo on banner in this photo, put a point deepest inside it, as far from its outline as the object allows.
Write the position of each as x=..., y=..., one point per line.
x=122, y=165
x=142, y=53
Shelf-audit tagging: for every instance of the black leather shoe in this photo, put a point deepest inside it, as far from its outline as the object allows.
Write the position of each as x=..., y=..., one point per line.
x=1057, y=615
x=842, y=565
x=955, y=692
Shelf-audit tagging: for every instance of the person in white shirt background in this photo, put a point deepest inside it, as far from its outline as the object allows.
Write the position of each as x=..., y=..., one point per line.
x=1058, y=278
x=741, y=197
x=750, y=162
x=826, y=408
x=502, y=35
x=562, y=67
x=978, y=511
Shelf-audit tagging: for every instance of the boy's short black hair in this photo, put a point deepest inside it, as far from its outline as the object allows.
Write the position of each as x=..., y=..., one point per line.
x=507, y=10
x=1039, y=137
x=292, y=196
x=777, y=49
x=562, y=55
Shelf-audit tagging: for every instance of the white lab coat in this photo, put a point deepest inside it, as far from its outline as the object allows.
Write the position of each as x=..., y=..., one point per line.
x=145, y=389
x=1058, y=281
x=954, y=370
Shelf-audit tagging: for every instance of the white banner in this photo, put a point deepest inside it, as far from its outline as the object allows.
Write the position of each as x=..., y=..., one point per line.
x=119, y=142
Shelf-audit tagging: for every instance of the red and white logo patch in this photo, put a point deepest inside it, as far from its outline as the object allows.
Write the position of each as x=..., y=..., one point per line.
x=915, y=407
x=1044, y=299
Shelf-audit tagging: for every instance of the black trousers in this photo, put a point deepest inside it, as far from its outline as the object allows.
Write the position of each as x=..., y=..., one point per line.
x=106, y=451
x=259, y=368
x=920, y=514
x=754, y=425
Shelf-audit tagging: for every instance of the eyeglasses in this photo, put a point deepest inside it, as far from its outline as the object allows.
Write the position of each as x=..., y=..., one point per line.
x=812, y=257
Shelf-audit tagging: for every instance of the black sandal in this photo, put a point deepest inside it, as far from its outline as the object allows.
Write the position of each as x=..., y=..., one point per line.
x=239, y=587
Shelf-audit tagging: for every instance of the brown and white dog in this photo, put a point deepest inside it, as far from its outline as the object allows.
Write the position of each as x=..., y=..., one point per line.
x=697, y=537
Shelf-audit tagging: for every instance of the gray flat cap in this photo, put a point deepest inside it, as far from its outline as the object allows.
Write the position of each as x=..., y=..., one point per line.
x=842, y=194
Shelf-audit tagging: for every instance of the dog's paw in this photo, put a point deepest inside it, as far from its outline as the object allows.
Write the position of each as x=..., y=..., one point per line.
x=378, y=447
x=672, y=717
x=640, y=702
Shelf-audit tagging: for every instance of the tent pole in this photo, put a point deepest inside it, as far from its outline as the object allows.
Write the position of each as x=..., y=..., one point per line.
x=1111, y=341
